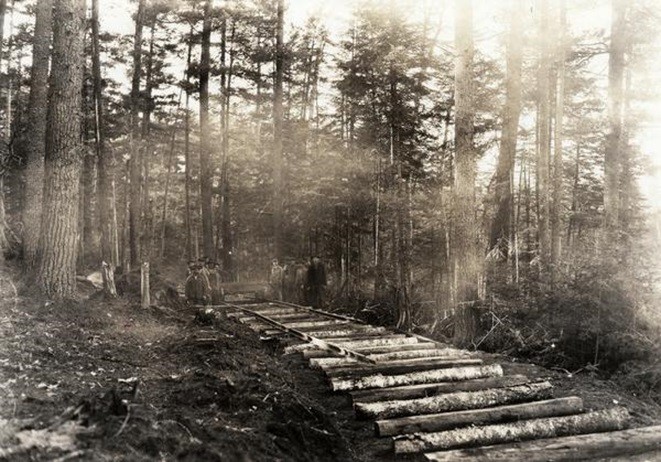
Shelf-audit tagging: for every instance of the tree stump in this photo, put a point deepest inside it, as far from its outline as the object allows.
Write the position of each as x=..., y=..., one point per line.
x=144, y=285
x=108, y=275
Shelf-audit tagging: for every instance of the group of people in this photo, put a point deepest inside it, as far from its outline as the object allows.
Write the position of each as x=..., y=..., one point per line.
x=203, y=283
x=298, y=282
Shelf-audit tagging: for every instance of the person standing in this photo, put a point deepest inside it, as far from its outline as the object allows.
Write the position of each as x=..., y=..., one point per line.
x=316, y=282
x=276, y=279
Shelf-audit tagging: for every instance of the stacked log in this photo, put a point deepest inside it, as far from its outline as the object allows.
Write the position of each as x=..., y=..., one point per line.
x=590, y=422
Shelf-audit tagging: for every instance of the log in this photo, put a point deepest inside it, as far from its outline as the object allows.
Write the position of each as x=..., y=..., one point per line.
x=396, y=339
x=425, y=390
x=315, y=323
x=401, y=366
x=315, y=310
x=550, y=427
x=454, y=374
x=335, y=348
x=451, y=420
x=395, y=355
x=325, y=326
x=373, y=350
x=355, y=337
x=298, y=316
x=571, y=448
x=350, y=331
x=454, y=401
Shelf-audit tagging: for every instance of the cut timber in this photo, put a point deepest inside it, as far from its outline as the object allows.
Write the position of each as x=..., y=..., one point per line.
x=350, y=331
x=590, y=422
x=590, y=446
x=395, y=355
x=274, y=311
x=314, y=323
x=454, y=401
x=401, y=366
x=451, y=420
x=373, y=350
x=291, y=316
x=425, y=390
x=439, y=375
x=325, y=327
x=358, y=337
x=314, y=310
x=335, y=348
x=396, y=339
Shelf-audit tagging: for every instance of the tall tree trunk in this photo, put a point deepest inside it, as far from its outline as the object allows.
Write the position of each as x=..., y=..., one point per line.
x=87, y=206
x=57, y=272
x=206, y=170
x=35, y=136
x=501, y=226
x=627, y=180
x=3, y=223
x=166, y=196
x=574, y=200
x=105, y=166
x=147, y=147
x=465, y=258
x=225, y=210
x=278, y=187
x=10, y=93
x=556, y=217
x=543, y=119
x=614, y=136
x=135, y=209
x=188, y=219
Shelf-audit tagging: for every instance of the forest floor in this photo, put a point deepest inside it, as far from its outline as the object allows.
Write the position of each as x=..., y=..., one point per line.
x=107, y=380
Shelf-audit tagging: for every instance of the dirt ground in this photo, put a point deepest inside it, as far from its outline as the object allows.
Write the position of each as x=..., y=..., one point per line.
x=107, y=380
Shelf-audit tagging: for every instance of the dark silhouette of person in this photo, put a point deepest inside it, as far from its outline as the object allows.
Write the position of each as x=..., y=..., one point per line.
x=316, y=282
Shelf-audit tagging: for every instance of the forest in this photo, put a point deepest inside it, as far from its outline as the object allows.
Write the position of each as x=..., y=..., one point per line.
x=471, y=170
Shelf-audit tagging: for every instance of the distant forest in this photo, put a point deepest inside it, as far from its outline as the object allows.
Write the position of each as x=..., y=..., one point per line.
x=432, y=172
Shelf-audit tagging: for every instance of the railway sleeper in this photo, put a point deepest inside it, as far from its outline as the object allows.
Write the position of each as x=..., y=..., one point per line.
x=616, y=418
x=610, y=445
x=432, y=389
x=399, y=366
x=454, y=374
x=458, y=401
x=499, y=414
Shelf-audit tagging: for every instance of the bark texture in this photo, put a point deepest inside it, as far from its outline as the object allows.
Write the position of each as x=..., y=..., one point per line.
x=456, y=401
x=456, y=374
x=206, y=170
x=465, y=260
x=491, y=415
x=35, y=149
x=278, y=116
x=590, y=422
x=135, y=164
x=582, y=447
x=502, y=223
x=57, y=271
x=614, y=136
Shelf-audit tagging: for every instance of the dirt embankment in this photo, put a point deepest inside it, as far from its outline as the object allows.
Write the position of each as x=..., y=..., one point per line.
x=100, y=380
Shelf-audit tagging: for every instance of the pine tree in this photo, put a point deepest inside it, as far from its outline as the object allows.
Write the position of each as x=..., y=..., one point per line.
x=57, y=271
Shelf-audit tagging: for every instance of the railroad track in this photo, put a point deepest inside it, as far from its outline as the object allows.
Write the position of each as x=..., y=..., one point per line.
x=443, y=403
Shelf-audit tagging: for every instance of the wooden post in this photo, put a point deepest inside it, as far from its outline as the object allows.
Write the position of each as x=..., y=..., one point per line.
x=144, y=285
x=108, y=274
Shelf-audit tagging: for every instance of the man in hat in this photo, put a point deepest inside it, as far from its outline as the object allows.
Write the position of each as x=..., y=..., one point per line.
x=316, y=282
x=198, y=290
